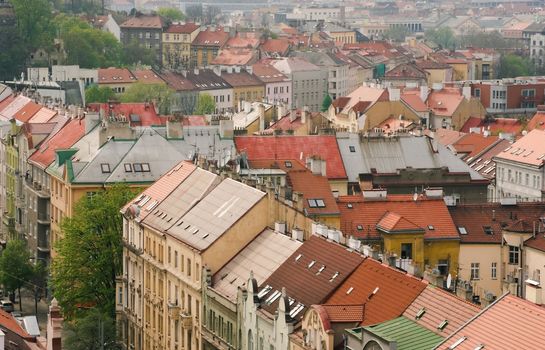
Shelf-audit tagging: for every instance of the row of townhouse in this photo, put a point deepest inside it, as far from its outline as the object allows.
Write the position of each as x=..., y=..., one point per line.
x=287, y=278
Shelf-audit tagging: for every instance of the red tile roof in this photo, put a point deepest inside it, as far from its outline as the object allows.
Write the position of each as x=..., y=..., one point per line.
x=177, y=81
x=474, y=217
x=495, y=126
x=537, y=242
x=27, y=112
x=9, y=322
x=267, y=73
x=147, y=76
x=143, y=114
x=186, y=28
x=509, y=323
x=342, y=313
x=144, y=21
x=471, y=122
x=473, y=144
x=395, y=291
x=440, y=305
x=445, y=102
x=295, y=147
x=115, y=76
x=243, y=42
x=235, y=57
x=360, y=217
x=300, y=275
x=414, y=101
x=216, y=38
x=194, y=120
x=393, y=222
x=64, y=138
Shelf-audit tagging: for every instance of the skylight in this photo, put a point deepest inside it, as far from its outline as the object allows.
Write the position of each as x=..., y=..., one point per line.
x=288, y=164
x=462, y=230
x=105, y=167
x=359, y=227
x=456, y=343
x=311, y=264
x=431, y=228
x=322, y=268
x=334, y=276
x=264, y=291
x=420, y=313
x=349, y=290
x=128, y=167
x=349, y=206
x=298, y=257
x=488, y=230
x=442, y=325
x=273, y=297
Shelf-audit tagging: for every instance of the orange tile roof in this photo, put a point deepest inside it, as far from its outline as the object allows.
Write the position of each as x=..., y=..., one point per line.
x=393, y=222
x=473, y=144
x=343, y=313
x=186, y=28
x=115, y=76
x=537, y=121
x=509, y=323
x=266, y=72
x=276, y=164
x=147, y=76
x=360, y=217
x=414, y=101
x=64, y=138
x=300, y=275
x=293, y=147
x=395, y=291
x=44, y=115
x=27, y=112
x=445, y=137
x=440, y=305
x=445, y=102
x=5, y=102
x=9, y=322
x=235, y=57
x=279, y=46
x=313, y=187
x=145, y=112
x=530, y=149
x=243, y=42
x=163, y=187
x=216, y=38
x=144, y=21
x=495, y=126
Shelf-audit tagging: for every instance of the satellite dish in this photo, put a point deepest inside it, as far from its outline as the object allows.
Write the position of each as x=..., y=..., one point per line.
x=449, y=281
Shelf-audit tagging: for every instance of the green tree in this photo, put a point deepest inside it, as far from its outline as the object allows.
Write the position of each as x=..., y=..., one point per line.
x=87, y=46
x=90, y=332
x=12, y=58
x=326, y=103
x=160, y=94
x=171, y=13
x=484, y=39
x=134, y=53
x=38, y=282
x=512, y=66
x=15, y=267
x=34, y=22
x=90, y=254
x=205, y=105
x=444, y=37
x=397, y=34
x=95, y=93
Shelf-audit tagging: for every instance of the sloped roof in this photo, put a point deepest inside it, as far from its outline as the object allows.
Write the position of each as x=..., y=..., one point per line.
x=115, y=76
x=474, y=217
x=144, y=21
x=235, y=57
x=208, y=37
x=13, y=107
x=494, y=126
x=147, y=76
x=342, y=313
x=162, y=188
x=445, y=137
x=393, y=222
x=292, y=147
x=215, y=213
x=267, y=73
x=300, y=275
x=361, y=217
x=313, y=187
x=241, y=79
x=484, y=162
x=509, y=323
x=279, y=46
x=406, y=70
x=186, y=28
x=473, y=144
x=537, y=121
x=27, y=112
x=9, y=322
x=261, y=257
x=414, y=101
x=407, y=334
x=366, y=94
x=530, y=149
x=396, y=291
x=177, y=81
x=70, y=133
x=445, y=102
x=206, y=79
x=137, y=113
x=439, y=305
x=243, y=41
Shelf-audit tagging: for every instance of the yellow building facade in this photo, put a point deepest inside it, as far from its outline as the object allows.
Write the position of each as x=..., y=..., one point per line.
x=177, y=41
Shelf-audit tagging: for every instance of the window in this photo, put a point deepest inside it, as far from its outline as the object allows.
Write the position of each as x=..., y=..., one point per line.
x=406, y=251
x=513, y=254
x=189, y=267
x=316, y=203
x=128, y=167
x=488, y=230
x=145, y=167
x=474, y=271
x=105, y=167
x=442, y=266
x=493, y=271
x=288, y=164
x=137, y=167
x=462, y=230
x=352, y=149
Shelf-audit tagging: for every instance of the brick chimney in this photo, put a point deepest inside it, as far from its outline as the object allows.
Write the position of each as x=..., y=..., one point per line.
x=54, y=326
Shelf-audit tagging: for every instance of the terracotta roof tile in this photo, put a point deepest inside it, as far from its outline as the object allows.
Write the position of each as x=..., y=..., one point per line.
x=530, y=149
x=115, y=76
x=537, y=121
x=360, y=217
x=439, y=305
x=406, y=70
x=473, y=218
x=144, y=21
x=10, y=323
x=27, y=112
x=313, y=187
x=509, y=323
x=64, y=138
x=414, y=101
x=186, y=28
x=147, y=76
x=445, y=102
x=239, y=41
x=235, y=57
x=137, y=113
x=301, y=276
x=474, y=144
x=267, y=73
x=278, y=46
x=242, y=78
x=394, y=291
x=292, y=147
x=343, y=313
x=393, y=222
x=216, y=38
x=177, y=81
x=484, y=162
x=495, y=126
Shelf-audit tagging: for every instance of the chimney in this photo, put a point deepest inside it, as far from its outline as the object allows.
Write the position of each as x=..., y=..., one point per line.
x=316, y=165
x=54, y=326
x=91, y=120
x=196, y=71
x=395, y=94
x=533, y=292
x=261, y=113
x=466, y=92
x=281, y=111
x=175, y=129
x=304, y=115
x=293, y=115
x=217, y=70
x=423, y=93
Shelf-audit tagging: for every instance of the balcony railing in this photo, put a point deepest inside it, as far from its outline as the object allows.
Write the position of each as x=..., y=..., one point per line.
x=44, y=218
x=36, y=187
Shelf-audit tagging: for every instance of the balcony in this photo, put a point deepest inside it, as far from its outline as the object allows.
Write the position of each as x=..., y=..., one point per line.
x=132, y=248
x=44, y=218
x=36, y=187
x=174, y=310
x=187, y=320
x=43, y=241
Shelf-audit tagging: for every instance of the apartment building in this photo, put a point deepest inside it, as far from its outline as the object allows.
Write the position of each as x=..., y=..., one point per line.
x=277, y=85
x=246, y=87
x=206, y=81
x=177, y=39
x=520, y=169
x=168, y=238
x=206, y=45
x=146, y=31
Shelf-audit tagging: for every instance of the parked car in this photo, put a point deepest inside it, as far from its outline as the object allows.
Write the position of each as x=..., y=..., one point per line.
x=6, y=305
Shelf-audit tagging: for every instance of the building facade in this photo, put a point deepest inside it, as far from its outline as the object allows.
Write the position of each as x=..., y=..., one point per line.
x=177, y=39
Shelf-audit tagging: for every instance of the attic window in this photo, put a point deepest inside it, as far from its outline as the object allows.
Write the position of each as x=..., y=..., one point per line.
x=311, y=264
x=334, y=276
x=128, y=167
x=105, y=167
x=420, y=313
x=442, y=325
x=359, y=227
x=288, y=164
x=462, y=230
x=349, y=206
x=264, y=291
x=320, y=203
x=456, y=343
x=145, y=167
x=352, y=149
x=431, y=228
x=488, y=230
x=137, y=167
x=322, y=268
x=298, y=257
x=349, y=290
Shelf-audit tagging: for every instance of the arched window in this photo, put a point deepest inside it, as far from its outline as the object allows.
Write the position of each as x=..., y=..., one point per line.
x=372, y=345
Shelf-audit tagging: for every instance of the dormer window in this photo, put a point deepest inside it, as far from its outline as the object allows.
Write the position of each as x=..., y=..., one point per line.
x=105, y=167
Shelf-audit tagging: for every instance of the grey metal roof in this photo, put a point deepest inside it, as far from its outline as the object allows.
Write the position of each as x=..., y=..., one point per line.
x=184, y=197
x=110, y=154
x=205, y=141
x=262, y=257
x=215, y=213
x=387, y=155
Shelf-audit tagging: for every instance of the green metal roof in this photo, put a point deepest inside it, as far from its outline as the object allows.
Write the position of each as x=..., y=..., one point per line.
x=408, y=334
